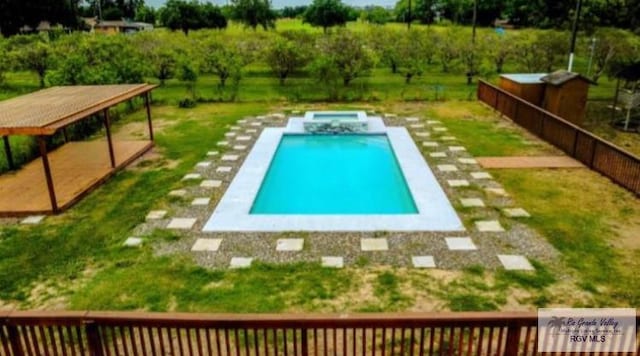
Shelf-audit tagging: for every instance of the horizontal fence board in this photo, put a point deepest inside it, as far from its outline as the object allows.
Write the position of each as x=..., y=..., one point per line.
x=596, y=153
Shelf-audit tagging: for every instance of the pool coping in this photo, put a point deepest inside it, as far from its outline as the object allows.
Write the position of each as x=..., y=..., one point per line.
x=435, y=210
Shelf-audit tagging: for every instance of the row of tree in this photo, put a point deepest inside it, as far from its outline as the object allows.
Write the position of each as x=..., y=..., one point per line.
x=339, y=57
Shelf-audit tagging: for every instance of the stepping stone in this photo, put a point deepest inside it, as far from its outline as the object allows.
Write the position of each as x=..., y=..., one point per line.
x=206, y=245
x=181, y=223
x=178, y=193
x=433, y=122
x=211, y=183
x=457, y=149
x=412, y=119
x=295, y=112
x=467, y=161
x=192, y=176
x=32, y=220
x=200, y=201
x=235, y=128
x=481, y=175
x=447, y=168
x=429, y=144
x=391, y=116
x=472, y=203
x=377, y=244
x=289, y=244
x=240, y=262
x=250, y=131
x=230, y=134
x=230, y=157
x=489, y=226
x=440, y=129
x=243, y=138
x=260, y=117
x=203, y=164
x=460, y=244
x=257, y=123
x=515, y=262
x=497, y=191
x=332, y=262
x=438, y=154
x=242, y=121
x=239, y=147
x=132, y=242
x=212, y=153
x=516, y=213
x=223, y=143
x=416, y=126
x=278, y=116
x=423, y=134
x=423, y=262
x=458, y=183
x=224, y=169
x=448, y=138
x=156, y=214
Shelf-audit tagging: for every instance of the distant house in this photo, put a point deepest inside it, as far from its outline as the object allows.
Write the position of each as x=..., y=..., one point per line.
x=120, y=26
x=43, y=26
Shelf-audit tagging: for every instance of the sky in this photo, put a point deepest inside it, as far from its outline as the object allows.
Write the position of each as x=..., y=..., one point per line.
x=278, y=4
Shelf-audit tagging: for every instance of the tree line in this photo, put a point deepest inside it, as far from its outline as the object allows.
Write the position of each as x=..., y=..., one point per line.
x=190, y=14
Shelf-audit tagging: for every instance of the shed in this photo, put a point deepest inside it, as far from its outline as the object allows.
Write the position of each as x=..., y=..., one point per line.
x=566, y=95
x=74, y=169
x=526, y=86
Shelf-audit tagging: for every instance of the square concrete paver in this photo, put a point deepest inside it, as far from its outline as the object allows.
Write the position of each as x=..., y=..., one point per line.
x=212, y=153
x=515, y=262
x=243, y=138
x=203, y=164
x=191, y=176
x=251, y=131
x=430, y=144
x=133, y=241
x=240, y=262
x=206, y=245
x=376, y=244
x=239, y=147
x=447, y=168
x=243, y=121
x=457, y=149
x=412, y=119
x=178, y=193
x=467, y=161
x=423, y=262
x=222, y=143
x=416, y=126
x=332, y=262
x=489, y=226
x=32, y=220
x=458, y=183
x=235, y=128
x=481, y=175
x=423, y=134
x=448, y=138
x=438, y=154
x=156, y=214
x=257, y=123
x=230, y=157
x=200, y=201
x=211, y=183
x=472, y=203
x=433, y=122
x=181, y=223
x=289, y=244
x=497, y=191
x=516, y=213
x=223, y=169
x=230, y=134
x=460, y=244
x=440, y=129
x=391, y=116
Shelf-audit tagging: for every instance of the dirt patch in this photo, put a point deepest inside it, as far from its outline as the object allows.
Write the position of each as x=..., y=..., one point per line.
x=138, y=130
x=153, y=159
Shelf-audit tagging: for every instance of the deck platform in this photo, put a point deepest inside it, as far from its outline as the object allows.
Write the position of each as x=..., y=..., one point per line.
x=76, y=167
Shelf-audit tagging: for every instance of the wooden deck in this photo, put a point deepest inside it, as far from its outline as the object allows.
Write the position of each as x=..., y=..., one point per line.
x=76, y=167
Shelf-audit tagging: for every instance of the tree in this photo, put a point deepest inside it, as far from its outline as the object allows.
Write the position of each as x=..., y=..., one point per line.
x=161, y=53
x=412, y=46
x=33, y=54
x=346, y=54
x=447, y=49
x=189, y=75
x=285, y=56
x=146, y=14
x=293, y=11
x=224, y=58
x=254, y=13
x=377, y=15
x=503, y=49
x=17, y=13
x=186, y=16
x=384, y=41
x=326, y=13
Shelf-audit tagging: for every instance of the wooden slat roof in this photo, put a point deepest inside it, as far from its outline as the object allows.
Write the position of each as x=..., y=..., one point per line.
x=45, y=111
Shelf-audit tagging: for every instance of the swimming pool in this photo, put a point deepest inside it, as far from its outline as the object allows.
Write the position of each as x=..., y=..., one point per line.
x=334, y=174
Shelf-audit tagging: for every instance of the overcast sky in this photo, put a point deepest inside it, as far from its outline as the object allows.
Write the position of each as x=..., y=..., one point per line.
x=278, y=4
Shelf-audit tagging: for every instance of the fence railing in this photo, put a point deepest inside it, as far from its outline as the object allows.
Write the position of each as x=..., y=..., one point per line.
x=132, y=333
x=594, y=152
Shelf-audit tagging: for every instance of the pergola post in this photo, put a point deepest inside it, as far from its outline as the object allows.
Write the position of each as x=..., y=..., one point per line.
x=7, y=151
x=147, y=103
x=42, y=143
x=108, y=129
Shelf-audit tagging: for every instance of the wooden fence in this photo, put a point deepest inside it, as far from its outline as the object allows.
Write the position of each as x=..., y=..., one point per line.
x=127, y=333
x=615, y=163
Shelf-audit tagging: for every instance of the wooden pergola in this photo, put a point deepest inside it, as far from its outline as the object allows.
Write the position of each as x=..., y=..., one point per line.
x=74, y=169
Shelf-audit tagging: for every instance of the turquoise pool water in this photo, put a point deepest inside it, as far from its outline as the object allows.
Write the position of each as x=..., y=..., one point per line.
x=336, y=116
x=334, y=174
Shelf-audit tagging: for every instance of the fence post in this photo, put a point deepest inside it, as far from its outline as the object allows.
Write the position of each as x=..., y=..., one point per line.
x=14, y=340
x=575, y=143
x=593, y=153
x=513, y=339
x=305, y=342
x=93, y=338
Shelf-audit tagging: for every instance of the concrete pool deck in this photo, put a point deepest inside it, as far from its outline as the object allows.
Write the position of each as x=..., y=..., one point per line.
x=435, y=212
